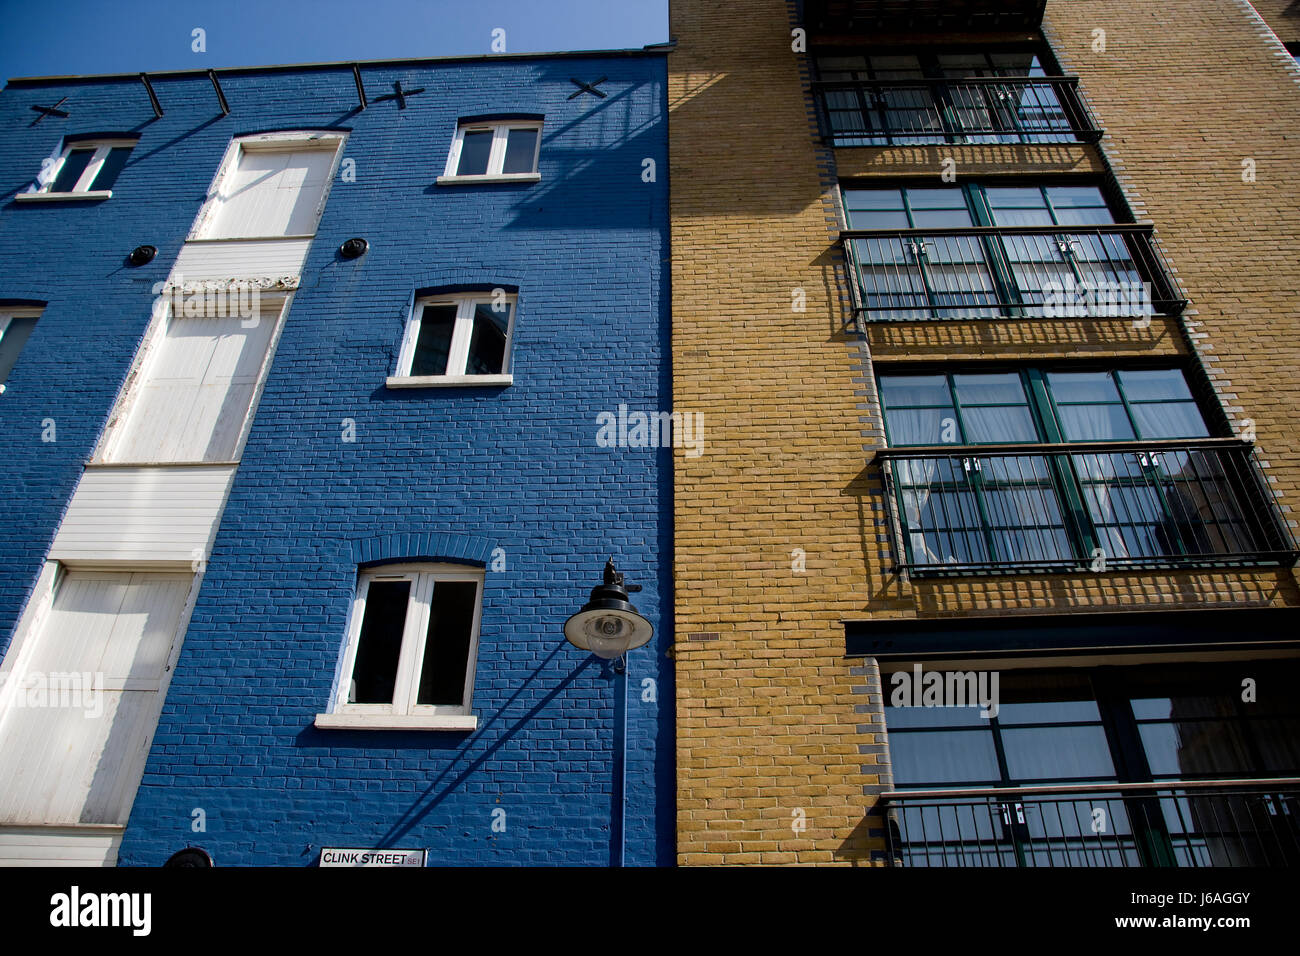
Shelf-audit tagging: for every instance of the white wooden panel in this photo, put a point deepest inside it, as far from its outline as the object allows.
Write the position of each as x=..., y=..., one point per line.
x=273, y=192
x=80, y=760
x=240, y=260
x=197, y=389
x=143, y=515
x=59, y=846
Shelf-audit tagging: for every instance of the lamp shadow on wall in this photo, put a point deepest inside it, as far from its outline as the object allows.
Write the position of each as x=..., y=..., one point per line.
x=458, y=745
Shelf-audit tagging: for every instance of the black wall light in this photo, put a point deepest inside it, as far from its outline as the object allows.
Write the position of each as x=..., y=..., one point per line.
x=609, y=625
x=191, y=856
x=141, y=255
x=354, y=248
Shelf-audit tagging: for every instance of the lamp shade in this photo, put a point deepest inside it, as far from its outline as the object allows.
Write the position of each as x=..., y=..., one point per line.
x=608, y=625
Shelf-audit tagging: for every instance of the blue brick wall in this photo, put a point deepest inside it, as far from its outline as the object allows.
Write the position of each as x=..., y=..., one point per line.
x=516, y=468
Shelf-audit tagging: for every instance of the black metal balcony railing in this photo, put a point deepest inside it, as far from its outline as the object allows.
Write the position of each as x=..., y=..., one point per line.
x=1184, y=824
x=981, y=109
x=1082, y=506
x=1111, y=271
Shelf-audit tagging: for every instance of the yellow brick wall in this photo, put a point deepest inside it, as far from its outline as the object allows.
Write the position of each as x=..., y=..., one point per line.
x=771, y=724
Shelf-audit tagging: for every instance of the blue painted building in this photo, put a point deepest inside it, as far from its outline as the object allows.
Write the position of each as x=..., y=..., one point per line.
x=303, y=518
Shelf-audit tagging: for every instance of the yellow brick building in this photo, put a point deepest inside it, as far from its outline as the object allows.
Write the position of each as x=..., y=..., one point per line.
x=1125, y=590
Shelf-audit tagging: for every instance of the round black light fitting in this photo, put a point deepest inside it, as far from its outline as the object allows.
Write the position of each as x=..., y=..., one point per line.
x=192, y=856
x=142, y=255
x=354, y=248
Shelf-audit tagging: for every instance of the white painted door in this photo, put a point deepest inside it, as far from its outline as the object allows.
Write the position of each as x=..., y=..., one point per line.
x=76, y=756
x=272, y=192
x=197, y=390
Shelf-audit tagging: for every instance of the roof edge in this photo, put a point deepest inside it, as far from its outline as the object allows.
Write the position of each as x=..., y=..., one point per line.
x=649, y=50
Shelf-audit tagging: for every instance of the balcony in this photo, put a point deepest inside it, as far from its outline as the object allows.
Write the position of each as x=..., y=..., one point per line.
x=918, y=112
x=1003, y=272
x=1219, y=823
x=1098, y=506
x=862, y=16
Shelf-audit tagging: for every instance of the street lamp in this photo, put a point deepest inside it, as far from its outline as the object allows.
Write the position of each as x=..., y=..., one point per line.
x=609, y=625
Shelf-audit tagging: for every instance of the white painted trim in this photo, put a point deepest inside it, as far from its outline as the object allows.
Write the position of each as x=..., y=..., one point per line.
x=81, y=188
x=497, y=178
x=446, y=381
x=458, y=349
x=113, y=431
x=64, y=197
x=390, y=722
x=201, y=242
x=496, y=155
x=263, y=373
x=30, y=623
x=423, y=579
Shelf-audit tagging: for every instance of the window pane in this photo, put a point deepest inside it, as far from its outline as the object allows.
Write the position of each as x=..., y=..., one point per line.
x=71, y=170
x=915, y=390
x=1075, y=196
x=936, y=198
x=1010, y=423
x=1015, y=197
x=113, y=164
x=1049, y=711
x=475, y=148
x=938, y=757
x=1004, y=389
x=1057, y=753
x=1169, y=420
x=12, y=340
x=374, y=675
x=869, y=199
x=1155, y=385
x=521, y=147
x=446, y=648
x=434, y=342
x=941, y=219
x=877, y=219
x=1095, y=423
x=1194, y=747
x=923, y=426
x=487, y=344
x=1082, y=387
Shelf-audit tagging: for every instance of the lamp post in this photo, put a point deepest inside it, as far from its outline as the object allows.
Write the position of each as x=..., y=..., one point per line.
x=609, y=626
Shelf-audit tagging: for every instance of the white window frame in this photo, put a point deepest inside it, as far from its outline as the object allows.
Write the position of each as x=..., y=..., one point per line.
x=458, y=355
x=81, y=189
x=496, y=158
x=278, y=141
x=8, y=316
x=404, y=713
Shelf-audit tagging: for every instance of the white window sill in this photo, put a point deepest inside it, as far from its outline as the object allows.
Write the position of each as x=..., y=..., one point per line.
x=296, y=236
x=64, y=197
x=497, y=178
x=396, y=722
x=446, y=381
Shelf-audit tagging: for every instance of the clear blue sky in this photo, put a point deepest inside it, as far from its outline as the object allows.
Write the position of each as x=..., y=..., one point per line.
x=130, y=36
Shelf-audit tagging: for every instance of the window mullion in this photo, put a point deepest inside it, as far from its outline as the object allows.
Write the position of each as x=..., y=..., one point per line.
x=406, y=357
x=497, y=156
x=1123, y=397
x=956, y=408
x=413, y=635
x=92, y=169
x=354, y=642
x=458, y=351
x=453, y=157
